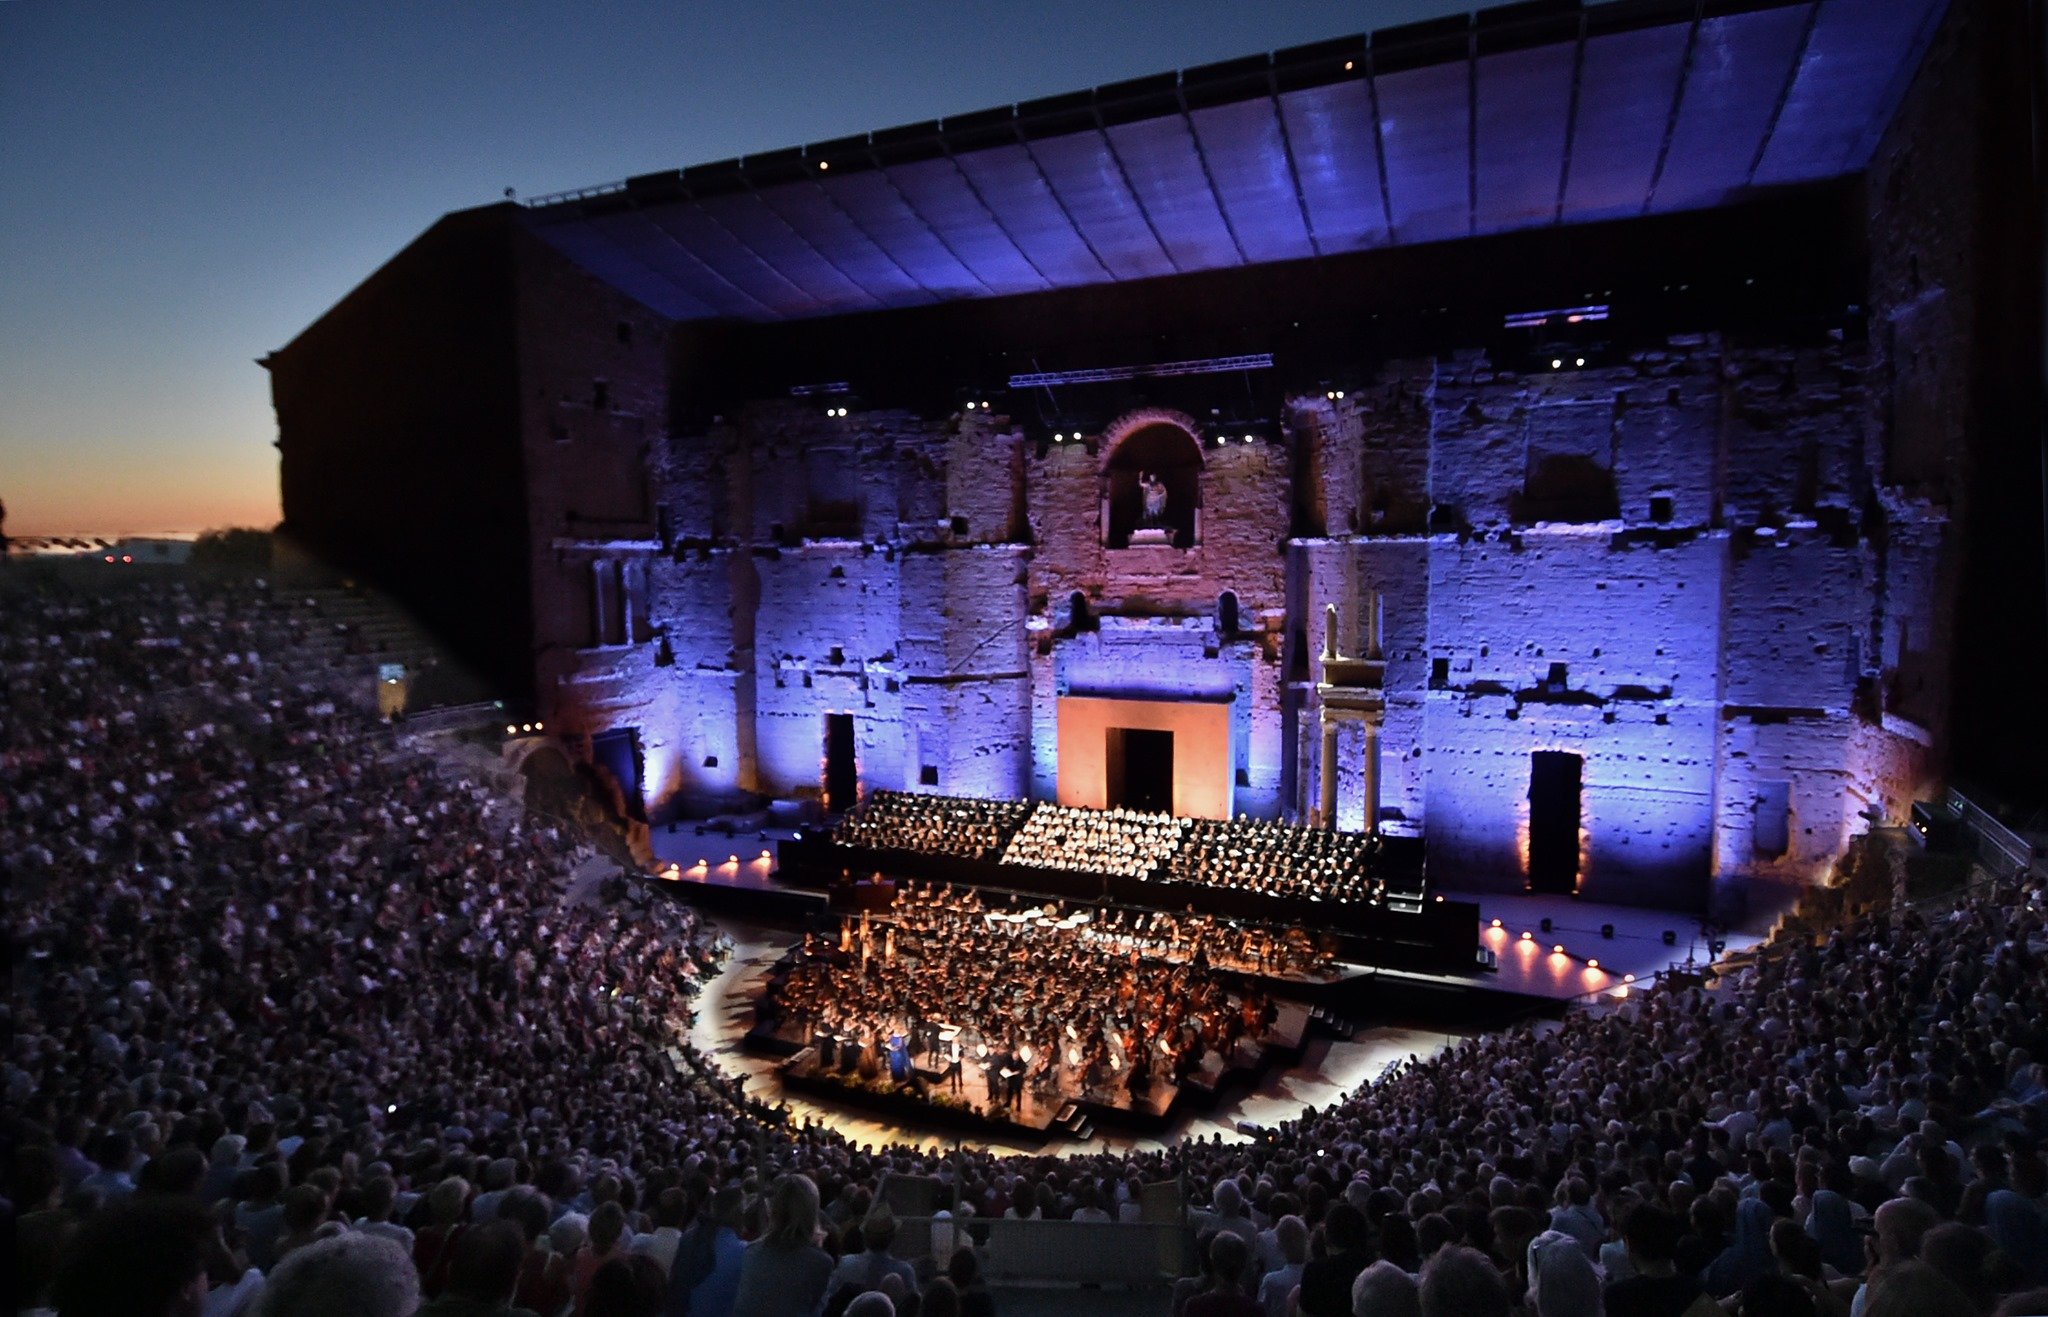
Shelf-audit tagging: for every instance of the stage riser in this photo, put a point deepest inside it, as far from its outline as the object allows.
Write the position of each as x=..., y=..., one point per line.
x=1442, y=937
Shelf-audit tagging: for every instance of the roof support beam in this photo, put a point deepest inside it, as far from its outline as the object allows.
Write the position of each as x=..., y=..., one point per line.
x=1763, y=143
x=1187, y=121
x=1692, y=44
x=1308, y=223
x=1571, y=121
x=1060, y=201
x=1102, y=131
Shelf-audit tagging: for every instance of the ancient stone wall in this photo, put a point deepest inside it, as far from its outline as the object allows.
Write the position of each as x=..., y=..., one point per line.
x=1661, y=561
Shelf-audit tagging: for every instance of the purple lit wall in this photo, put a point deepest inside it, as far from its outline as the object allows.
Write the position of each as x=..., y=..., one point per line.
x=1711, y=642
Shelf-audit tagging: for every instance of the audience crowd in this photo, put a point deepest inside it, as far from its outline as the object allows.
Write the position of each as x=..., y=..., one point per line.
x=304, y=1022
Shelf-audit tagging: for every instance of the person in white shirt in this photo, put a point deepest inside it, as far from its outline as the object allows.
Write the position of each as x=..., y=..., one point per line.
x=378, y=1196
x=1276, y=1290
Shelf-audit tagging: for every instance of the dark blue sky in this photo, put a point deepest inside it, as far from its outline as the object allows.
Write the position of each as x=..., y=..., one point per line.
x=185, y=186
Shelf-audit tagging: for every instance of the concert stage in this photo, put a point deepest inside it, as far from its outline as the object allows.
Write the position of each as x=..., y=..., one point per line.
x=1530, y=976
x=1426, y=934
x=962, y=1099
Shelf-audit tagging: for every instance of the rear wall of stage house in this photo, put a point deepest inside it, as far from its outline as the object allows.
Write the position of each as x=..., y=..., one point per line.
x=780, y=564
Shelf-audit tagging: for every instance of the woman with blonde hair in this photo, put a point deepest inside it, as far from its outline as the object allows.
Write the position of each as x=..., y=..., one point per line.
x=784, y=1273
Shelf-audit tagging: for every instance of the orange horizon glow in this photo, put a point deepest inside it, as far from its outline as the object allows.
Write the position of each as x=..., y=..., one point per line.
x=86, y=500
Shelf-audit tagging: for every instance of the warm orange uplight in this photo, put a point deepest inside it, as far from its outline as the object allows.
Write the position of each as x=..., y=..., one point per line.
x=1557, y=950
x=1496, y=923
x=1591, y=963
x=1525, y=935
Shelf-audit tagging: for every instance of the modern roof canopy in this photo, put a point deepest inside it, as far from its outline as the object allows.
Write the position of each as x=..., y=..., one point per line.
x=1545, y=113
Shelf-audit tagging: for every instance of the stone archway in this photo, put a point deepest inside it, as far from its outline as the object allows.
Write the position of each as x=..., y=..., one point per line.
x=1152, y=480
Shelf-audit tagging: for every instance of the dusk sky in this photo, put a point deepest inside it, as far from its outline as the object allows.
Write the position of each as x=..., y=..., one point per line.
x=184, y=187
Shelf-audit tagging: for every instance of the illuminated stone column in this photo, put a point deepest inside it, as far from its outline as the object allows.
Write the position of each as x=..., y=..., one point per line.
x=1352, y=690
x=1326, y=781
x=1371, y=724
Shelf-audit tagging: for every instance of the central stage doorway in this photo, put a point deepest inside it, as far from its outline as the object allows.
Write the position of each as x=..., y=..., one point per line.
x=1169, y=756
x=842, y=775
x=1554, y=778
x=1139, y=769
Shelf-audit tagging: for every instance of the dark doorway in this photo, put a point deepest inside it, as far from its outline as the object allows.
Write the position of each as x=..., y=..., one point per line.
x=617, y=756
x=1554, y=822
x=842, y=777
x=1140, y=770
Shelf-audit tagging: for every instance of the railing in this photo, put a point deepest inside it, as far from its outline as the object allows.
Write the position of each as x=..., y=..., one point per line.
x=574, y=194
x=1069, y=1252
x=1994, y=839
x=455, y=717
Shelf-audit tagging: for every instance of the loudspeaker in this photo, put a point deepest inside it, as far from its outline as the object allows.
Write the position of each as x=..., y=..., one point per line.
x=1607, y=931
x=1546, y=923
x=1670, y=938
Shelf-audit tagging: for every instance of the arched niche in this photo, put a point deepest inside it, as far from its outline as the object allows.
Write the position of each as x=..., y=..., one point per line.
x=1151, y=481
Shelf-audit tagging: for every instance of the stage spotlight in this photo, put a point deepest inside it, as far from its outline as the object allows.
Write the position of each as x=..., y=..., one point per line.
x=1670, y=938
x=1557, y=363
x=1579, y=361
x=824, y=165
x=1607, y=931
x=539, y=726
x=510, y=730
x=1591, y=963
x=1496, y=923
x=1628, y=978
x=1525, y=935
x=1557, y=950
x=1545, y=924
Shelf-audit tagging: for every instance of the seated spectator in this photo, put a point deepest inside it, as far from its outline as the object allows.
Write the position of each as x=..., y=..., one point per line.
x=357, y=1274
x=1657, y=1289
x=1326, y=1281
x=629, y=1285
x=1384, y=1290
x=483, y=1273
x=865, y=1270
x=784, y=1273
x=1229, y=1258
x=1276, y=1288
x=1460, y=1282
x=146, y=1257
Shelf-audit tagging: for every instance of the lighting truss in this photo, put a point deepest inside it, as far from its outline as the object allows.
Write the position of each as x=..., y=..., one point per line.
x=1159, y=370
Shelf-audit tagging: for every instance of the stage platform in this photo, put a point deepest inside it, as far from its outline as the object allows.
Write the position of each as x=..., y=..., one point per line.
x=962, y=1100
x=727, y=871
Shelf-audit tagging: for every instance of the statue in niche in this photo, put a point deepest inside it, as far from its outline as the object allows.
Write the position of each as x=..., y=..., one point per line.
x=1155, y=499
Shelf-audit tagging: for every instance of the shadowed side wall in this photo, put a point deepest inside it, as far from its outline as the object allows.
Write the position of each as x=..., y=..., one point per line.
x=398, y=441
